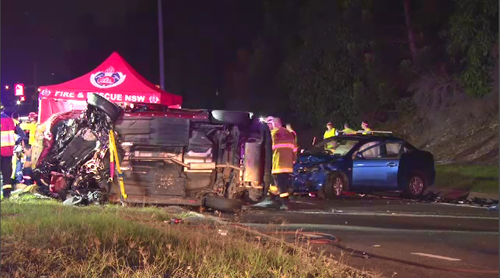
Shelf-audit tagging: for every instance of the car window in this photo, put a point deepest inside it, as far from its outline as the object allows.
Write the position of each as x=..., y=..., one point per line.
x=370, y=150
x=337, y=146
x=392, y=149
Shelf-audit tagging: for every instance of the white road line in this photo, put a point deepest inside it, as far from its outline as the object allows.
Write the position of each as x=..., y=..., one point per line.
x=297, y=226
x=437, y=257
x=395, y=214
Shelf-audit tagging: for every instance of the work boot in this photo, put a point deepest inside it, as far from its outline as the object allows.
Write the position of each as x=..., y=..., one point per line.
x=6, y=193
x=285, y=204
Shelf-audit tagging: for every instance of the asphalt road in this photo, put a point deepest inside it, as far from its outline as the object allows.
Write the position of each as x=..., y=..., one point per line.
x=397, y=238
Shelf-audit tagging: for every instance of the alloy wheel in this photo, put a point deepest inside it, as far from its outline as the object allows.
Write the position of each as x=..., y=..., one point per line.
x=416, y=185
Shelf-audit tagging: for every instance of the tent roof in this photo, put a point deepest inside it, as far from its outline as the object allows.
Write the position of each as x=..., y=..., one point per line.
x=114, y=79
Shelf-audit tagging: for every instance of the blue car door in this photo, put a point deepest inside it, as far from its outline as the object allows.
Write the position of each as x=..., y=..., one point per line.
x=391, y=155
x=367, y=167
x=377, y=166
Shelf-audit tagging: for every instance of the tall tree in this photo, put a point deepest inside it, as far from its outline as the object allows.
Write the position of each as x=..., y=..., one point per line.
x=473, y=35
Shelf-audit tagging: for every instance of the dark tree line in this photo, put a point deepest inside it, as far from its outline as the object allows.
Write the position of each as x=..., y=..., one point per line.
x=351, y=60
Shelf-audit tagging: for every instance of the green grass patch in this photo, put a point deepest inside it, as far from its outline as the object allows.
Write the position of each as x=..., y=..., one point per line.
x=44, y=238
x=477, y=178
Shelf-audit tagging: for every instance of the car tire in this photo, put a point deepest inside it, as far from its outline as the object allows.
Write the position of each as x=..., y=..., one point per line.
x=230, y=117
x=112, y=110
x=222, y=204
x=414, y=186
x=334, y=186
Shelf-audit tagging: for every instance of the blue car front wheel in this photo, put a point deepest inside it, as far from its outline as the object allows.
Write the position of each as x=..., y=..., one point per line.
x=334, y=186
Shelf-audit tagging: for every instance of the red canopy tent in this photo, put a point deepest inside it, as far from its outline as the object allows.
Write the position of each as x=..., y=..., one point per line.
x=114, y=79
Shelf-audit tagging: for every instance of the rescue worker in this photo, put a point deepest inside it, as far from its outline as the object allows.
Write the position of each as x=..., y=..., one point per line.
x=284, y=155
x=31, y=126
x=330, y=132
x=347, y=130
x=366, y=128
x=8, y=141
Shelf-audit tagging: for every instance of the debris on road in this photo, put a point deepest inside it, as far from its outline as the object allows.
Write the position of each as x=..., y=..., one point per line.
x=493, y=208
x=175, y=220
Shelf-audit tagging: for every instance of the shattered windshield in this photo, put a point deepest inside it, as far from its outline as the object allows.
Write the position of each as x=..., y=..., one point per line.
x=334, y=146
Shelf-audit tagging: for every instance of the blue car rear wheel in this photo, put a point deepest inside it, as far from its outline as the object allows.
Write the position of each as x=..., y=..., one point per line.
x=415, y=186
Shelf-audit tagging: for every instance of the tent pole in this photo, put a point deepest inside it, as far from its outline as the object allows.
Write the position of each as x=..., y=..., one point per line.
x=160, y=41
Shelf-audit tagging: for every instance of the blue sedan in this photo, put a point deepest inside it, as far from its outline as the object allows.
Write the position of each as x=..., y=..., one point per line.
x=364, y=164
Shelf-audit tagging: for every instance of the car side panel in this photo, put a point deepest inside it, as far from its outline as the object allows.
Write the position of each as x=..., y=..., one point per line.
x=377, y=173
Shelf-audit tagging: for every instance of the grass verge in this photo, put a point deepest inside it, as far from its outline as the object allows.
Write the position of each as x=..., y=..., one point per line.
x=44, y=238
x=476, y=178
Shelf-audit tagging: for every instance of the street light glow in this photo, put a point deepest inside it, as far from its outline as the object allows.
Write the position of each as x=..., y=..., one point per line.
x=18, y=102
x=7, y=87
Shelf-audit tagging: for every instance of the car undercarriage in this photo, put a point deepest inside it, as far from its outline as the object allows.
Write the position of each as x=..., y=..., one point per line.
x=216, y=159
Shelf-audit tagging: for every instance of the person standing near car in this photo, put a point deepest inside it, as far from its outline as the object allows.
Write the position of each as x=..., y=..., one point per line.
x=8, y=141
x=366, y=128
x=330, y=132
x=347, y=130
x=284, y=153
x=31, y=126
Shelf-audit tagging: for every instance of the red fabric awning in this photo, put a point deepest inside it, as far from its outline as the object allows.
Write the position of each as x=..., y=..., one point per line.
x=114, y=79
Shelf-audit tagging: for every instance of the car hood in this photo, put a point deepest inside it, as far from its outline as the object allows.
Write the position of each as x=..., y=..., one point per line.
x=311, y=160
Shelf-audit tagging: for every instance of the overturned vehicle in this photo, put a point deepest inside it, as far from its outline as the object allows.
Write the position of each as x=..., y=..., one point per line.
x=218, y=159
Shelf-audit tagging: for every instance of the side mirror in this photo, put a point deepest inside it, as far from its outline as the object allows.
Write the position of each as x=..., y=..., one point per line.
x=359, y=156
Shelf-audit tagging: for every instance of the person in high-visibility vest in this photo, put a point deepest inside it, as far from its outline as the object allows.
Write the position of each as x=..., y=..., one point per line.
x=284, y=153
x=347, y=130
x=330, y=132
x=8, y=141
x=31, y=126
x=366, y=128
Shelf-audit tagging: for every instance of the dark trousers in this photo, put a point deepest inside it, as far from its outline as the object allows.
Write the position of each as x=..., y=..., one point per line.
x=283, y=181
x=6, y=165
x=28, y=175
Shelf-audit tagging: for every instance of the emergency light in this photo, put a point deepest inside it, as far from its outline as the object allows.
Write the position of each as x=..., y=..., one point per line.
x=19, y=89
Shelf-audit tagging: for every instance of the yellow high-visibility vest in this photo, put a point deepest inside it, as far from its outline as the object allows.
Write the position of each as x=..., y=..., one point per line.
x=348, y=131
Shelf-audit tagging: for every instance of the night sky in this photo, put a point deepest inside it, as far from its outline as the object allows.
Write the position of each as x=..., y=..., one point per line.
x=66, y=39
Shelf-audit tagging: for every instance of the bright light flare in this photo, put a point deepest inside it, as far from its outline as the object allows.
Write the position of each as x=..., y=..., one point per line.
x=7, y=87
x=18, y=102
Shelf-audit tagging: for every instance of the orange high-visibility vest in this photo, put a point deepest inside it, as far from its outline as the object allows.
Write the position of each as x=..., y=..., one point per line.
x=284, y=149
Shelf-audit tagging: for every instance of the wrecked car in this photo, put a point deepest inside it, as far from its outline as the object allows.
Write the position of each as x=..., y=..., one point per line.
x=218, y=159
x=363, y=164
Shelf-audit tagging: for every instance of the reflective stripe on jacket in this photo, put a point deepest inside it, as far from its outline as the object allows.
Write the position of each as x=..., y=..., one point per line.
x=283, y=150
x=8, y=139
